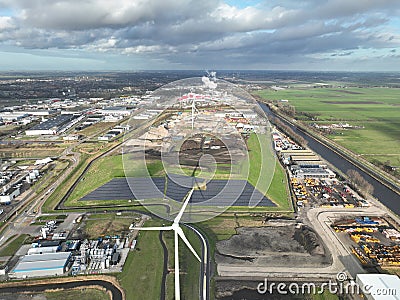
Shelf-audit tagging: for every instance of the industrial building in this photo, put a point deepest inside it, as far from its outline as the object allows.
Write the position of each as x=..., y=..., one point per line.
x=39, y=112
x=116, y=111
x=7, y=196
x=52, y=126
x=379, y=286
x=41, y=265
x=12, y=116
x=43, y=250
x=304, y=172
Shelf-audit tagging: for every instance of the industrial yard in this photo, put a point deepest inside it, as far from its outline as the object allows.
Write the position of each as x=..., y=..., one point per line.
x=312, y=182
x=76, y=245
x=373, y=240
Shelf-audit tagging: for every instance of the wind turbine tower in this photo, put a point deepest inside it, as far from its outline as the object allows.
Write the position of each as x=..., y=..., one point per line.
x=178, y=233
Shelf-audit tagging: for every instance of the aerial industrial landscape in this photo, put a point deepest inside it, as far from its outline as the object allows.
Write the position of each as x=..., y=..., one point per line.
x=197, y=186
x=211, y=150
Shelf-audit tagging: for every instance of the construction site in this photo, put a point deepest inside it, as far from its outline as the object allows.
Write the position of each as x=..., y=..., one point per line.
x=276, y=244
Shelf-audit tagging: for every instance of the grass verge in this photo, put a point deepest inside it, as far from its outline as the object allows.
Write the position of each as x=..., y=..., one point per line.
x=14, y=245
x=142, y=272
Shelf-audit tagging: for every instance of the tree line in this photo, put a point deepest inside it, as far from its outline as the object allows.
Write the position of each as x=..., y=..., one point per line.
x=356, y=179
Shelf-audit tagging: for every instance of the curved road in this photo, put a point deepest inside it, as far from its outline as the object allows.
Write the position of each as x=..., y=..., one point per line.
x=204, y=292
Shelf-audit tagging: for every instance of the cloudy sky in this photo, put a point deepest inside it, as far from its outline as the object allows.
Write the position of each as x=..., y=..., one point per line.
x=353, y=35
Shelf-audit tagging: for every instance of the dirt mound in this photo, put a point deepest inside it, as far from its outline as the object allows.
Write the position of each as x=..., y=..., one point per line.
x=309, y=240
x=273, y=246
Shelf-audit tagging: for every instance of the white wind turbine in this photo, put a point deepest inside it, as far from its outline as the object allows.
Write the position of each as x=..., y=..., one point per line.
x=194, y=109
x=178, y=233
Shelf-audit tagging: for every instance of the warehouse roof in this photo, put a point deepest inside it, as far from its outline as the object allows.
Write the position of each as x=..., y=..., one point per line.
x=313, y=171
x=381, y=286
x=48, y=261
x=55, y=122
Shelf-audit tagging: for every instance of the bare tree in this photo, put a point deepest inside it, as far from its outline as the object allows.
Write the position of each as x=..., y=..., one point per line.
x=359, y=181
x=289, y=131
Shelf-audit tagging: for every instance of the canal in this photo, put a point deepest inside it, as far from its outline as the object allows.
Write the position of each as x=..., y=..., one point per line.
x=40, y=288
x=385, y=195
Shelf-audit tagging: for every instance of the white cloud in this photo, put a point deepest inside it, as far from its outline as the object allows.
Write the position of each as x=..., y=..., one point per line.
x=6, y=23
x=191, y=31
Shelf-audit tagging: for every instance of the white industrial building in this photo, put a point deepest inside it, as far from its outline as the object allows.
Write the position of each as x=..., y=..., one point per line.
x=43, y=250
x=41, y=265
x=115, y=111
x=52, y=126
x=379, y=286
x=12, y=116
x=71, y=137
x=43, y=161
x=112, y=118
x=39, y=112
x=304, y=172
x=9, y=195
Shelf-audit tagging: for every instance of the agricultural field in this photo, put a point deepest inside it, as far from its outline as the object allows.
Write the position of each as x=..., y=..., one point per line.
x=375, y=110
x=31, y=151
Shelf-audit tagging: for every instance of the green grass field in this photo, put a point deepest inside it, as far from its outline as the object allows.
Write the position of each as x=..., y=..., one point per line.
x=219, y=228
x=13, y=246
x=109, y=167
x=326, y=295
x=142, y=273
x=189, y=265
x=103, y=170
x=377, y=109
x=82, y=294
x=275, y=189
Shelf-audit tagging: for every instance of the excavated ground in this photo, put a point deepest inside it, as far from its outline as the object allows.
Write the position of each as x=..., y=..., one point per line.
x=280, y=243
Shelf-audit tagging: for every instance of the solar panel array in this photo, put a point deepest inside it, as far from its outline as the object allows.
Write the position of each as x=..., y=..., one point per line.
x=216, y=192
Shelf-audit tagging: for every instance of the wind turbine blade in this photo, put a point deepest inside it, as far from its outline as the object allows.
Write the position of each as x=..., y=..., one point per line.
x=152, y=228
x=186, y=241
x=177, y=288
x=179, y=216
x=193, y=109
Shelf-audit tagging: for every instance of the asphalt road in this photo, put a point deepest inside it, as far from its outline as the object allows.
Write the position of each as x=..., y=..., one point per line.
x=205, y=274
